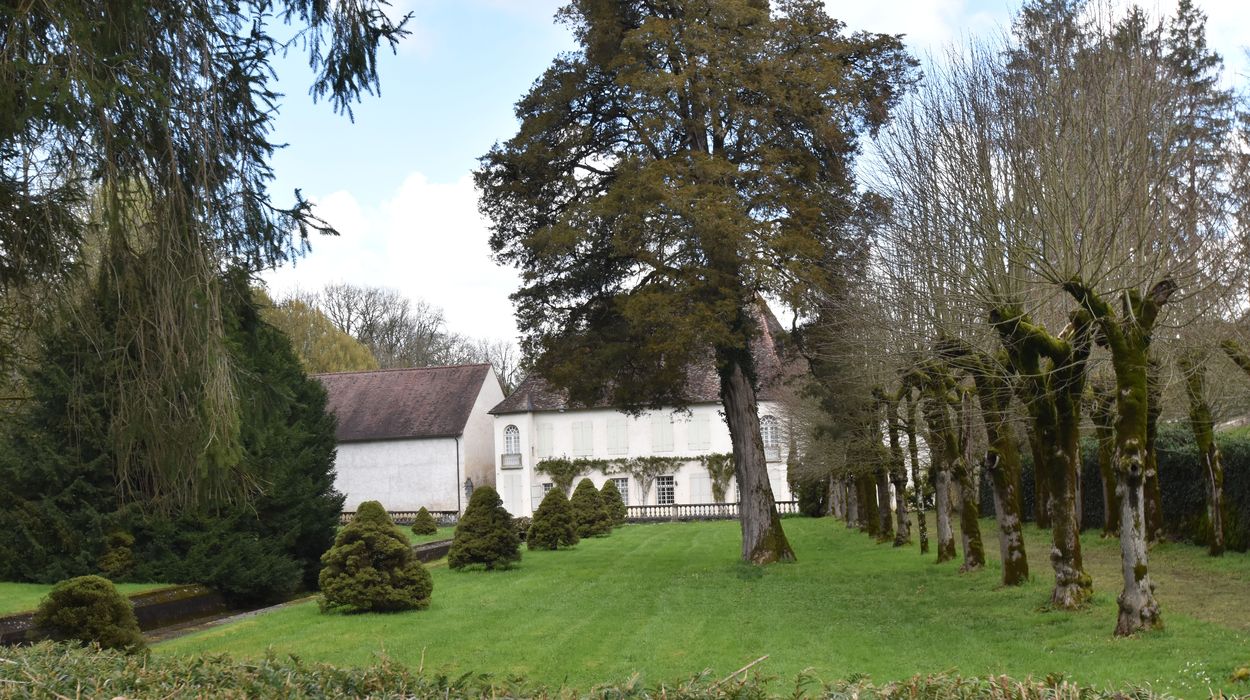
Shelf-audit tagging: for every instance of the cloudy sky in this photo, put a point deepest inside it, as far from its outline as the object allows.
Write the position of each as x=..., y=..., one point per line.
x=396, y=181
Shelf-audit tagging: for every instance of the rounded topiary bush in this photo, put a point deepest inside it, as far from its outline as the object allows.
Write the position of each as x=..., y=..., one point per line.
x=588, y=511
x=90, y=609
x=371, y=567
x=485, y=534
x=613, y=503
x=424, y=523
x=553, y=525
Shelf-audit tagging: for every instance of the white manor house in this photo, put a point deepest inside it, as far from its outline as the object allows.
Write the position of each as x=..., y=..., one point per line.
x=395, y=445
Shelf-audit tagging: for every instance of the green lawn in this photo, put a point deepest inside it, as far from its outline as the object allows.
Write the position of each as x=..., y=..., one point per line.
x=444, y=533
x=670, y=600
x=20, y=597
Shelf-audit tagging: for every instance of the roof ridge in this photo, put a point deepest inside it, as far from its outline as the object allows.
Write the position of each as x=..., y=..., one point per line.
x=401, y=369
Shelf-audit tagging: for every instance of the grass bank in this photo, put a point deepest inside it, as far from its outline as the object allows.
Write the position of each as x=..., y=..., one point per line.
x=669, y=600
x=21, y=597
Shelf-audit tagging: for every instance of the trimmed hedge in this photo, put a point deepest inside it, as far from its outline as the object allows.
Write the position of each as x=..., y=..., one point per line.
x=553, y=525
x=51, y=670
x=1181, y=480
x=372, y=568
x=592, y=518
x=485, y=534
x=423, y=523
x=91, y=610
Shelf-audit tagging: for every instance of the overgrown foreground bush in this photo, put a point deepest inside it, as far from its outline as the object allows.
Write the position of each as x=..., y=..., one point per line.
x=49, y=670
x=371, y=567
x=90, y=609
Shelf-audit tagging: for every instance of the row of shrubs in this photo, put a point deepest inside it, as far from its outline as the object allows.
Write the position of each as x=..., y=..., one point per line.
x=1182, y=483
x=48, y=671
x=372, y=568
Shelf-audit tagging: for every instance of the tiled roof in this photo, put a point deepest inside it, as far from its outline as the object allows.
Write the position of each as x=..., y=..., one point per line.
x=772, y=361
x=425, y=402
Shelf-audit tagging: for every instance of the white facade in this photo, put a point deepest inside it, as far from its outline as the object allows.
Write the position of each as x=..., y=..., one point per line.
x=608, y=434
x=408, y=473
x=402, y=475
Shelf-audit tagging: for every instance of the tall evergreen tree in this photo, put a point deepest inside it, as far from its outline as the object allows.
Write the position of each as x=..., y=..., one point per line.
x=684, y=159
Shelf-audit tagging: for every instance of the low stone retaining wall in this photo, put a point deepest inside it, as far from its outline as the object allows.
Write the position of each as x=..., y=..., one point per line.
x=153, y=609
x=431, y=550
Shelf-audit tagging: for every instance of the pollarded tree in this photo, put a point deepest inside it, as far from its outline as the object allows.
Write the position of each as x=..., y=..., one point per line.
x=613, y=503
x=554, y=525
x=485, y=534
x=588, y=511
x=372, y=568
x=684, y=159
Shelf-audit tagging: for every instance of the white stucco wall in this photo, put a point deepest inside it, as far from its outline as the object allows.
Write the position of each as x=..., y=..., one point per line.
x=478, y=441
x=400, y=474
x=521, y=488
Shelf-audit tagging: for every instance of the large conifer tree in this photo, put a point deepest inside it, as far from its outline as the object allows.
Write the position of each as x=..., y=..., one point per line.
x=688, y=157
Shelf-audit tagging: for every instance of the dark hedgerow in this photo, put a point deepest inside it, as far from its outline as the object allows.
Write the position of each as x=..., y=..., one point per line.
x=592, y=519
x=485, y=534
x=424, y=523
x=90, y=609
x=371, y=567
x=613, y=503
x=553, y=525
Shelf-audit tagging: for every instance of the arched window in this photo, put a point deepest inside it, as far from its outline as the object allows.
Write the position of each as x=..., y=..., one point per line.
x=511, y=440
x=770, y=432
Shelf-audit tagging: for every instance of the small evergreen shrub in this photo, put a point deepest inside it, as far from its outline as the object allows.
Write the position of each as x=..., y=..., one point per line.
x=522, y=526
x=90, y=609
x=424, y=523
x=485, y=534
x=371, y=567
x=553, y=524
x=592, y=518
x=613, y=503
x=118, y=558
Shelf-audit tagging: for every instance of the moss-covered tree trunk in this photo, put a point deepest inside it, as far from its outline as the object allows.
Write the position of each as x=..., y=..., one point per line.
x=1154, y=494
x=898, y=473
x=1051, y=372
x=837, y=498
x=1128, y=337
x=852, y=501
x=1041, y=481
x=885, y=520
x=763, y=540
x=1102, y=414
x=917, y=479
x=1203, y=426
x=941, y=457
x=1002, y=460
x=869, y=512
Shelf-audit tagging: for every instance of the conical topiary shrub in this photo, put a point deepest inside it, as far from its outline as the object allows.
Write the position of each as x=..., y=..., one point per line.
x=371, y=567
x=553, y=524
x=90, y=609
x=485, y=534
x=592, y=519
x=613, y=503
x=424, y=523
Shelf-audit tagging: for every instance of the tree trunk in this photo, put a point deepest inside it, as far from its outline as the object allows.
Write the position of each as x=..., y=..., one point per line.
x=869, y=514
x=1203, y=426
x=1102, y=414
x=946, y=535
x=885, y=526
x=852, y=502
x=837, y=501
x=1072, y=585
x=1154, y=496
x=763, y=540
x=918, y=482
x=1002, y=465
x=969, y=496
x=1041, y=481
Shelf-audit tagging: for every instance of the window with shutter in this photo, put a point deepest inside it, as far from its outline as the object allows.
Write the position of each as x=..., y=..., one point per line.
x=661, y=432
x=618, y=436
x=583, y=439
x=545, y=446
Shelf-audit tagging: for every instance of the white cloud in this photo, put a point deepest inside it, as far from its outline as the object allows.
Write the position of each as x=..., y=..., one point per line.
x=427, y=240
